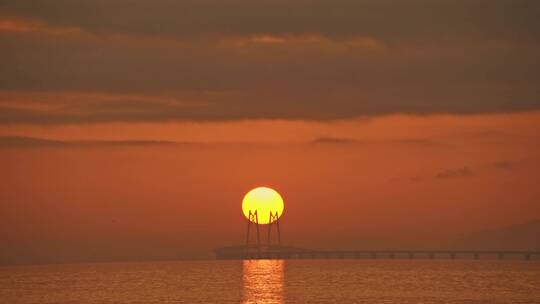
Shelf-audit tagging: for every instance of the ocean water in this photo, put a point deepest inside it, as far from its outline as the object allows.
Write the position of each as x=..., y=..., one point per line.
x=276, y=281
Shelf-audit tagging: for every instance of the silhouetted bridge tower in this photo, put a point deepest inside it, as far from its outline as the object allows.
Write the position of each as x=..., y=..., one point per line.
x=253, y=219
x=277, y=251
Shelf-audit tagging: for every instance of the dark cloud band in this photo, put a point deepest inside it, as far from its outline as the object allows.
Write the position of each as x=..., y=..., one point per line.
x=225, y=60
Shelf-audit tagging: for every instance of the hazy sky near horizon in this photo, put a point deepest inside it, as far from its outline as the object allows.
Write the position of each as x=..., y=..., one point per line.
x=132, y=129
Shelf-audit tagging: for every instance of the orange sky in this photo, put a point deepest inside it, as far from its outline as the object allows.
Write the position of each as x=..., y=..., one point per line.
x=132, y=129
x=380, y=182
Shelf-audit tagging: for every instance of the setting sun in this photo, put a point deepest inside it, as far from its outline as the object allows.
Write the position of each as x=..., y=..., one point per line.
x=263, y=200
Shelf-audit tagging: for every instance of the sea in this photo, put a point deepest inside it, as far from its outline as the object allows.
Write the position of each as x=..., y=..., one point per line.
x=275, y=281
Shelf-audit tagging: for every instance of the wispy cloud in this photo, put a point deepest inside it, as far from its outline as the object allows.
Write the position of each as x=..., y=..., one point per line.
x=467, y=171
x=503, y=165
x=357, y=43
x=454, y=173
x=74, y=107
x=33, y=142
x=35, y=26
x=335, y=140
x=406, y=142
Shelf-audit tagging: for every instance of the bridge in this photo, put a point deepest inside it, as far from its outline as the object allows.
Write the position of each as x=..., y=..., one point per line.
x=285, y=252
x=272, y=250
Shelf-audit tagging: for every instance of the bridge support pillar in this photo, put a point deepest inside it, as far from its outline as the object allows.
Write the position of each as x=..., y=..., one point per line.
x=253, y=218
x=274, y=219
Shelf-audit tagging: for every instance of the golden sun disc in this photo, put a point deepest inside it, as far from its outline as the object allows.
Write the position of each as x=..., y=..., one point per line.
x=264, y=200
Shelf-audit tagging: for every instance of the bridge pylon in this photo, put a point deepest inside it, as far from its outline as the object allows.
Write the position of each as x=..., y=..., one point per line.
x=253, y=218
x=274, y=220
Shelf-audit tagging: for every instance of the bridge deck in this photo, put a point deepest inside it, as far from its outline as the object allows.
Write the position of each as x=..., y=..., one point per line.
x=293, y=253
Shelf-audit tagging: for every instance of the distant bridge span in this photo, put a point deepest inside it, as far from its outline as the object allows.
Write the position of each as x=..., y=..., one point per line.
x=283, y=252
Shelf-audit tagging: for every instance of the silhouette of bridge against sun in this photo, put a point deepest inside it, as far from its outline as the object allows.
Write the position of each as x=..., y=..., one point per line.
x=285, y=252
x=277, y=251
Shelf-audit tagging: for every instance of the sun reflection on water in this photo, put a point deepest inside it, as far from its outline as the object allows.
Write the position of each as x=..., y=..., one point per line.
x=263, y=281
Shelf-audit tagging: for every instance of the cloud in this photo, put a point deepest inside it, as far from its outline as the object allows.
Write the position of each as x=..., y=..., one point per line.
x=32, y=142
x=503, y=165
x=332, y=18
x=305, y=60
x=334, y=140
x=454, y=173
x=21, y=141
x=408, y=142
x=288, y=41
x=34, y=26
x=419, y=142
x=84, y=107
x=466, y=171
